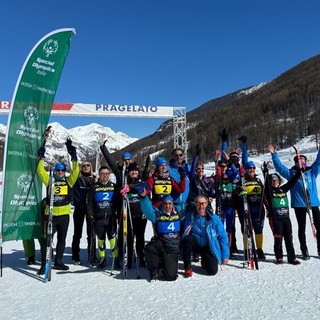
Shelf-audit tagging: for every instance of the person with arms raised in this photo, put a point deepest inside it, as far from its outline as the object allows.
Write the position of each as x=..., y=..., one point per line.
x=61, y=201
x=298, y=199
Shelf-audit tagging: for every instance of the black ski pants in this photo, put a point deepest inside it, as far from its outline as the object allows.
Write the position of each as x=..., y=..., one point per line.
x=60, y=226
x=209, y=261
x=282, y=229
x=79, y=215
x=105, y=226
x=301, y=215
x=160, y=261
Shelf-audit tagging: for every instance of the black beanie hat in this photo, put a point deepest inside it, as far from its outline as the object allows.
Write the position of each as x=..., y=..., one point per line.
x=295, y=159
x=133, y=166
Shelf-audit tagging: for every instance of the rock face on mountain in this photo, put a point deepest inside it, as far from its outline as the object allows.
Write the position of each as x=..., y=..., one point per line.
x=85, y=139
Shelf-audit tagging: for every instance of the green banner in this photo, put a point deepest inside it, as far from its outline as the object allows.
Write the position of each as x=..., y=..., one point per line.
x=28, y=119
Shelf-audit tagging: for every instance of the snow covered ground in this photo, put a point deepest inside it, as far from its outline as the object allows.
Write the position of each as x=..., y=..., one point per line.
x=236, y=292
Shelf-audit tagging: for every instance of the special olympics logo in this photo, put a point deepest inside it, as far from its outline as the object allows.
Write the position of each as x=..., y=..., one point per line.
x=24, y=181
x=31, y=114
x=50, y=47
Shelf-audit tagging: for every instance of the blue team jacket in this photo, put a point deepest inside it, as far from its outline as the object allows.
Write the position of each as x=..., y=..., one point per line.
x=297, y=194
x=213, y=234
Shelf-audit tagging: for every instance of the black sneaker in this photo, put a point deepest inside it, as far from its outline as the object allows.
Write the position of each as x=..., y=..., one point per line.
x=59, y=265
x=77, y=262
x=42, y=270
x=261, y=254
x=31, y=260
x=305, y=255
x=102, y=263
x=154, y=276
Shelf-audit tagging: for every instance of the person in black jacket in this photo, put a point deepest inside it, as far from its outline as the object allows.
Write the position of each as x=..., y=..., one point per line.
x=101, y=206
x=136, y=220
x=278, y=214
x=80, y=190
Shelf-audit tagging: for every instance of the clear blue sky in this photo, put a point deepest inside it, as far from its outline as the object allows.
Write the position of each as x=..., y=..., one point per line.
x=159, y=52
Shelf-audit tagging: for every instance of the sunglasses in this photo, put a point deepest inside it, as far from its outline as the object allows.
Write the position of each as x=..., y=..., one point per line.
x=60, y=170
x=178, y=155
x=251, y=168
x=86, y=165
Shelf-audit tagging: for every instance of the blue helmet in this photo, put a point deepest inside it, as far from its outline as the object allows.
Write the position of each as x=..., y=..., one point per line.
x=167, y=198
x=60, y=166
x=250, y=164
x=161, y=161
x=126, y=155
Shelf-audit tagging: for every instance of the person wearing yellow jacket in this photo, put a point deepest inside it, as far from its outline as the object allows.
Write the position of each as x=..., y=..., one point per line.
x=61, y=202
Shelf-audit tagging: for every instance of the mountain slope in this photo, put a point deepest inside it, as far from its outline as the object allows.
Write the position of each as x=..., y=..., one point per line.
x=281, y=111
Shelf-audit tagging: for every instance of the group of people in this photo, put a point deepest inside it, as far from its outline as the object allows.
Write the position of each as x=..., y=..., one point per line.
x=187, y=209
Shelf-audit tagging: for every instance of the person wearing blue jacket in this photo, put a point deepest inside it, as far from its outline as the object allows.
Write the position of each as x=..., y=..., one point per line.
x=298, y=200
x=178, y=161
x=205, y=233
x=161, y=253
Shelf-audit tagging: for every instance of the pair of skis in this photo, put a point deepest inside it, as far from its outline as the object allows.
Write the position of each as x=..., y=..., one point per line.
x=306, y=194
x=49, y=233
x=252, y=260
x=126, y=214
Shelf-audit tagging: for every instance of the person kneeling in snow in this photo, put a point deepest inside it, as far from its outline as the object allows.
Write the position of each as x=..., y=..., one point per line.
x=161, y=253
x=204, y=233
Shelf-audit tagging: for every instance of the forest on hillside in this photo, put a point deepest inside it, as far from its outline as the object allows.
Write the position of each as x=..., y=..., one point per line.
x=281, y=112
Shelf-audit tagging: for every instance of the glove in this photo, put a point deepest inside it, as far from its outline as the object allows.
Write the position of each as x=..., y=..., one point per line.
x=71, y=150
x=139, y=188
x=125, y=190
x=145, y=175
x=68, y=144
x=198, y=149
x=223, y=134
x=73, y=153
x=243, y=139
x=182, y=172
x=41, y=152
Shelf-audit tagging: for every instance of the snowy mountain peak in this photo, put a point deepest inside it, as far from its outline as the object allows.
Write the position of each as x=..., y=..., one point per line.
x=86, y=139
